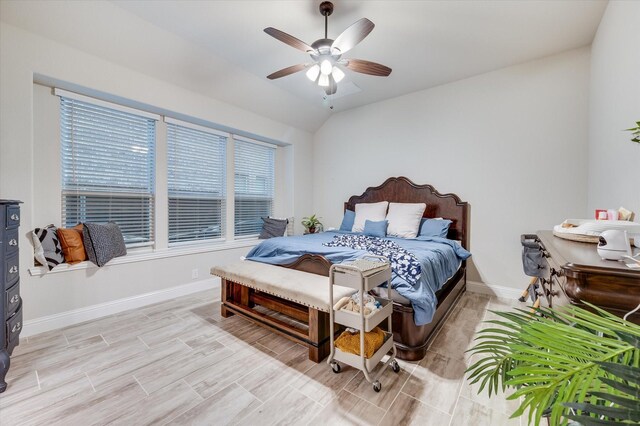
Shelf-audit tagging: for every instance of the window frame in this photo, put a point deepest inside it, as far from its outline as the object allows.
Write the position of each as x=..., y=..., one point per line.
x=159, y=195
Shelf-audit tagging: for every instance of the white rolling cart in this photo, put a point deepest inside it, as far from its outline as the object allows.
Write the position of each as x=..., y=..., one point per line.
x=363, y=275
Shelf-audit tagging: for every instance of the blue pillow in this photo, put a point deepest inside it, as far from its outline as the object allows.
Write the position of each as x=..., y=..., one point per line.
x=375, y=229
x=347, y=220
x=434, y=228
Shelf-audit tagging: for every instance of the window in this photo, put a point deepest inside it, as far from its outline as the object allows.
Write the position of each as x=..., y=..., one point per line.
x=196, y=168
x=108, y=167
x=254, y=185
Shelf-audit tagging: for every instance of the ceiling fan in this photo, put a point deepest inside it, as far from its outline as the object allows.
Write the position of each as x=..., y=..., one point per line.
x=325, y=70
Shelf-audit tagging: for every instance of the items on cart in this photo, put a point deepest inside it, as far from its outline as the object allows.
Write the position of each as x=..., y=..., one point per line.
x=352, y=304
x=349, y=341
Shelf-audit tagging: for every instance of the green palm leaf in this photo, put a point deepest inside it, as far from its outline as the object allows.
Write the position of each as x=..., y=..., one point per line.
x=561, y=363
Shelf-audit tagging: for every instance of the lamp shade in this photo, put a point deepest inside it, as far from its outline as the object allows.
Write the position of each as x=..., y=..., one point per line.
x=326, y=67
x=323, y=80
x=312, y=73
x=337, y=74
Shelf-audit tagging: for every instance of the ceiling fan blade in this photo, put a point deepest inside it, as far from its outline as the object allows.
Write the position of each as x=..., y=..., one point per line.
x=289, y=39
x=353, y=35
x=287, y=71
x=368, y=67
x=332, y=88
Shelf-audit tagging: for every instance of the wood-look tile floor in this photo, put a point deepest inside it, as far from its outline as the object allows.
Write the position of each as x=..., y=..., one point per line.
x=180, y=362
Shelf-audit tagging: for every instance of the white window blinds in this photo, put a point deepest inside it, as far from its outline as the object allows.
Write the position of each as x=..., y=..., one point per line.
x=108, y=168
x=196, y=167
x=254, y=185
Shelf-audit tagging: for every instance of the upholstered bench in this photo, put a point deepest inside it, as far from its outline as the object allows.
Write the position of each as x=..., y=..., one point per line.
x=293, y=303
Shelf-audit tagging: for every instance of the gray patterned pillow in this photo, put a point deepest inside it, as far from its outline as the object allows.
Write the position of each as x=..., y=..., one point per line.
x=103, y=242
x=273, y=228
x=47, y=248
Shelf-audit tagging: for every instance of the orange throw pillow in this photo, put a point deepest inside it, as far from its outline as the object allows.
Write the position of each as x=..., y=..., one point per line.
x=72, y=245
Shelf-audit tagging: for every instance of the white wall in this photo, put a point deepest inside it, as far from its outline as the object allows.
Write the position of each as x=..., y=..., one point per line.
x=614, y=161
x=510, y=142
x=24, y=54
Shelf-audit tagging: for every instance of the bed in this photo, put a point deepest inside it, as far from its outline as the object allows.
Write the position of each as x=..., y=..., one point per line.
x=411, y=339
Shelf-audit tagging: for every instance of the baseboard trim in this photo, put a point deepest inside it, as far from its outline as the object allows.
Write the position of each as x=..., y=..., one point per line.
x=76, y=316
x=493, y=290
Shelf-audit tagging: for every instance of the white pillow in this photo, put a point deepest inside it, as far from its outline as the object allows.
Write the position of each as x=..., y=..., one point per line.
x=404, y=219
x=374, y=212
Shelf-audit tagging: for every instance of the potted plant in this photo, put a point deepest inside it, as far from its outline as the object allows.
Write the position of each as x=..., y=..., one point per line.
x=570, y=365
x=311, y=224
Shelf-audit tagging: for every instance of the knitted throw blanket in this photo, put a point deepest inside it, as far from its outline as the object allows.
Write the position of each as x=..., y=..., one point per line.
x=403, y=263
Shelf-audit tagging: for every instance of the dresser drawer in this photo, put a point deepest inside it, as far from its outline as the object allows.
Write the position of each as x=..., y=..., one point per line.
x=14, y=325
x=11, y=267
x=12, y=299
x=10, y=242
x=12, y=217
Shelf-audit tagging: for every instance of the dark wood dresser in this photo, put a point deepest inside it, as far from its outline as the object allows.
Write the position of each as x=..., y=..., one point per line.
x=11, y=304
x=577, y=273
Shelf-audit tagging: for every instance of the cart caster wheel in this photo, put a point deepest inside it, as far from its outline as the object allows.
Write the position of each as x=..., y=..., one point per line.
x=336, y=367
x=377, y=386
x=395, y=367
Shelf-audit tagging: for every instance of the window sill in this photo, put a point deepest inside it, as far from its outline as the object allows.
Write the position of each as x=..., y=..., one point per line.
x=147, y=255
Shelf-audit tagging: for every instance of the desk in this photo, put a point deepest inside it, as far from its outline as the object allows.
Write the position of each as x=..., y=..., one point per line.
x=583, y=276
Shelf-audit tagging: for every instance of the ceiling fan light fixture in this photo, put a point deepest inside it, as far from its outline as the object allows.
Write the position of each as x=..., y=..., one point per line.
x=337, y=74
x=312, y=73
x=326, y=67
x=323, y=81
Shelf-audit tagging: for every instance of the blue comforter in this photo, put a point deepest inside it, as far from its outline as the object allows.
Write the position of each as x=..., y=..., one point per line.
x=438, y=257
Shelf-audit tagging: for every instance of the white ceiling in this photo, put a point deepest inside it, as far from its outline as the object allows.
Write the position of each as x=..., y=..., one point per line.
x=426, y=43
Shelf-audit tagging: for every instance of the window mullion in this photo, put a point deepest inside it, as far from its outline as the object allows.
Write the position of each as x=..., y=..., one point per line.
x=230, y=211
x=162, y=199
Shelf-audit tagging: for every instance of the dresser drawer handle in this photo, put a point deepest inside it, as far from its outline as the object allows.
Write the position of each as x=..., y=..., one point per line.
x=15, y=217
x=17, y=326
x=14, y=299
x=13, y=242
x=13, y=269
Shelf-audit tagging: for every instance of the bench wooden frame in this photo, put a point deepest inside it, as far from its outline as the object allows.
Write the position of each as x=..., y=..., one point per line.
x=241, y=300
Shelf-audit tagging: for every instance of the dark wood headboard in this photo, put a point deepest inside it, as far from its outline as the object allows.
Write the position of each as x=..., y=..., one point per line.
x=402, y=190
